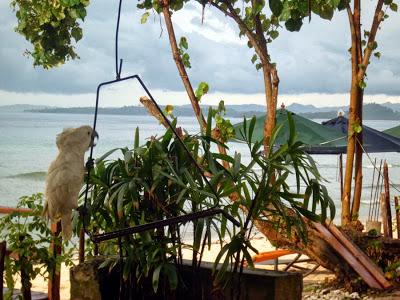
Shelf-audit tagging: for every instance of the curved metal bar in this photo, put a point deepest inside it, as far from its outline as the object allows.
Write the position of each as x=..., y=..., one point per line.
x=168, y=122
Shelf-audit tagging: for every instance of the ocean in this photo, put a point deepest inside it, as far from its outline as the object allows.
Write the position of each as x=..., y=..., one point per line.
x=27, y=146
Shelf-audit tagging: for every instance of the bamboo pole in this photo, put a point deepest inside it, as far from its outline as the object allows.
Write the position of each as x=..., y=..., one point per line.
x=376, y=197
x=386, y=200
x=372, y=189
x=397, y=212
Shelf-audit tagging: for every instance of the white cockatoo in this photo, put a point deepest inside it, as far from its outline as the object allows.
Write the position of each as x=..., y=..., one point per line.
x=66, y=174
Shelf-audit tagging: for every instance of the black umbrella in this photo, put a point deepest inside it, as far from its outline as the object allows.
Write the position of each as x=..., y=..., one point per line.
x=373, y=140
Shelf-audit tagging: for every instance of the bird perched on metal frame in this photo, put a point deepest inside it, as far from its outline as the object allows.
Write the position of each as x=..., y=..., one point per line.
x=66, y=174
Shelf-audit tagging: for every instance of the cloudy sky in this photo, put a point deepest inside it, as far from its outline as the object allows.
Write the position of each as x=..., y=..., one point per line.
x=313, y=65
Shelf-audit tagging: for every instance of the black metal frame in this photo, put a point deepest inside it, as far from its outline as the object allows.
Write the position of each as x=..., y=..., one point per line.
x=96, y=238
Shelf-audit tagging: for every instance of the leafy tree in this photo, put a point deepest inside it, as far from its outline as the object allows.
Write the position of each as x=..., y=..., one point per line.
x=363, y=46
x=51, y=27
x=259, y=21
x=28, y=237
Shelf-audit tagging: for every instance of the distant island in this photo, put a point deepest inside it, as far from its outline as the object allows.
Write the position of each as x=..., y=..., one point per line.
x=371, y=111
x=235, y=111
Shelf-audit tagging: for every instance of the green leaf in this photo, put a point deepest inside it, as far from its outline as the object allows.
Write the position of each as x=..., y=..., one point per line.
x=156, y=277
x=325, y=12
x=76, y=33
x=357, y=128
x=170, y=271
x=377, y=55
x=293, y=24
x=276, y=7
x=274, y=34
x=393, y=6
x=186, y=60
x=183, y=44
x=254, y=58
x=144, y=17
x=169, y=109
x=136, y=139
x=362, y=84
x=201, y=90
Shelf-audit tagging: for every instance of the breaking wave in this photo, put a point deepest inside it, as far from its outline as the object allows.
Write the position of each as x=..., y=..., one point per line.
x=37, y=176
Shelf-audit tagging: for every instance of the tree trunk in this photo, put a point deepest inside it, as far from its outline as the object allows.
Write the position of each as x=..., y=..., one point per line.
x=316, y=248
x=358, y=164
x=358, y=151
x=179, y=64
x=359, y=64
x=270, y=74
x=346, y=217
x=271, y=84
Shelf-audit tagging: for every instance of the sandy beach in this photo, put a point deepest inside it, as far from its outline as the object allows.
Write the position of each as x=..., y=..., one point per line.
x=258, y=241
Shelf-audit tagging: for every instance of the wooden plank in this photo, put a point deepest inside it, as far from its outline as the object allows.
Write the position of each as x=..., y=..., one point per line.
x=397, y=213
x=54, y=276
x=386, y=202
x=361, y=256
x=346, y=254
x=8, y=210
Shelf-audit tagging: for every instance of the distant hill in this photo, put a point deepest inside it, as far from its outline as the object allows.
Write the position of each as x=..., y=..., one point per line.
x=371, y=111
x=302, y=108
x=20, y=107
x=394, y=106
x=180, y=110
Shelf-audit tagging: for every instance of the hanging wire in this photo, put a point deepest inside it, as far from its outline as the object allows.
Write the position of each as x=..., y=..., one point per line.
x=118, y=68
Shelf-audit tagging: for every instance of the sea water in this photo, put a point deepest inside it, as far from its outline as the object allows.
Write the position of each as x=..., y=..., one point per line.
x=27, y=147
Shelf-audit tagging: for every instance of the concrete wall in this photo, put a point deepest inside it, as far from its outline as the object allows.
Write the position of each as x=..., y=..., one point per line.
x=89, y=282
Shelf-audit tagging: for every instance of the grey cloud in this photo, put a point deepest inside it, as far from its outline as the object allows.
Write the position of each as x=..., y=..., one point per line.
x=314, y=60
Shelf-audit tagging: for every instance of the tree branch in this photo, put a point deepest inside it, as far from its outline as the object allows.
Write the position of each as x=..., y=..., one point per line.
x=179, y=64
x=378, y=16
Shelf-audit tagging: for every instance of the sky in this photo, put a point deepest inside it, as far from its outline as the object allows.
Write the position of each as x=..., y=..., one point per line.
x=313, y=64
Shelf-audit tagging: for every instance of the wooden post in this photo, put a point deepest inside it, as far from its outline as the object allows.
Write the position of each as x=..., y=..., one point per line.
x=397, y=212
x=384, y=215
x=387, y=200
x=341, y=174
x=54, y=277
x=3, y=247
x=81, y=246
x=25, y=280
